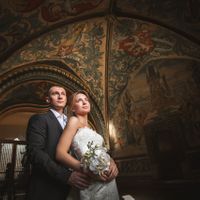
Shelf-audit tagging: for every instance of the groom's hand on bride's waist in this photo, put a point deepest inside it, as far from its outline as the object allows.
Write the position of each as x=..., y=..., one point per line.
x=79, y=180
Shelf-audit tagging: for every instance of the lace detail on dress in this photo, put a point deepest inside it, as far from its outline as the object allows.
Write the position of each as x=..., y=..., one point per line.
x=81, y=139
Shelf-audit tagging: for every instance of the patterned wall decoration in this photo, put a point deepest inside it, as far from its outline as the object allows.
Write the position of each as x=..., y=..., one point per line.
x=81, y=46
x=183, y=16
x=23, y=20
x=31, y=94
x=151, y=70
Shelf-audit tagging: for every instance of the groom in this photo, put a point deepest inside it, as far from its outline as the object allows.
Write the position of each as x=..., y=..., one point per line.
x=49, y=179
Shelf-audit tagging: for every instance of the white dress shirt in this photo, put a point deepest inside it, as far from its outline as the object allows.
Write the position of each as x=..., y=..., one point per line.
x=62, y=118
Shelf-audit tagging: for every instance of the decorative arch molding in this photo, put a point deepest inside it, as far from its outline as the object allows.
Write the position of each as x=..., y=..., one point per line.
x=43, y=74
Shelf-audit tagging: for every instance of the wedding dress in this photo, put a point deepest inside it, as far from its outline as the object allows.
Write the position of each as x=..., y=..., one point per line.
x=97, y=190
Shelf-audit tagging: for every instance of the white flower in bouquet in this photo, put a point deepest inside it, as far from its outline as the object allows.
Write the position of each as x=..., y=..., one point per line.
x=96, y=159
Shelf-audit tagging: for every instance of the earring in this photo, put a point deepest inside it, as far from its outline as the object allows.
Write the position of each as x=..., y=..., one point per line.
x=65, y=110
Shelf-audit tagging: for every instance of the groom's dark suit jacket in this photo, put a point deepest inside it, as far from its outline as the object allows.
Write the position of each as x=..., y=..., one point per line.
x=48, y=178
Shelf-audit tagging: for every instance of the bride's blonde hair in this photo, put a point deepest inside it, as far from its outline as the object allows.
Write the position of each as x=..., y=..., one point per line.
x=71, y=101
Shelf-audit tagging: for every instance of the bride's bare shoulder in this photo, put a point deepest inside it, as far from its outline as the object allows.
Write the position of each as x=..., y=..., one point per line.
x=74, y=121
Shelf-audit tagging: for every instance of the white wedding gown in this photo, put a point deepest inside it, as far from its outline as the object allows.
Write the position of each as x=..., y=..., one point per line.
x=97, y=190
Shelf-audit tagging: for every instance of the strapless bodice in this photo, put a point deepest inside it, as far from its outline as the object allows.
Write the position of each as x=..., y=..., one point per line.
x=81, y=139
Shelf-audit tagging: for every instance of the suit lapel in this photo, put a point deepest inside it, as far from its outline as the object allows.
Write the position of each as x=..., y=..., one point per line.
x=54, y=120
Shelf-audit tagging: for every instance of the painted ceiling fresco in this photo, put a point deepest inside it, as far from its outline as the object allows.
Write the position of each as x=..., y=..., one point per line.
x=182, y=16
x=23, y=20
x=79, y=46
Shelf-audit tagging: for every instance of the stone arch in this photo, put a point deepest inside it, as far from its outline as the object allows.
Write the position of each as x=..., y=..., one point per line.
x=41, y=75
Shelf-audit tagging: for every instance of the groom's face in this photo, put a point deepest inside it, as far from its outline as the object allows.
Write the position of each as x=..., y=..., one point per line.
x=57, y=97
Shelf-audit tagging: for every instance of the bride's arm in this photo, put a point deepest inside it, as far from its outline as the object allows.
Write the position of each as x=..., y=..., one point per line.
x=62, y=150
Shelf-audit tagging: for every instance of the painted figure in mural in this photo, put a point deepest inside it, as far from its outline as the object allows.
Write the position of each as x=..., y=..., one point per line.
x=56, y=10
x=49, y=179
x=135, y=127
x=91, y=156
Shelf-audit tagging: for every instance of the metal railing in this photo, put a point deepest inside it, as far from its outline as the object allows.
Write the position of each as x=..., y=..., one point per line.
x=13, y=173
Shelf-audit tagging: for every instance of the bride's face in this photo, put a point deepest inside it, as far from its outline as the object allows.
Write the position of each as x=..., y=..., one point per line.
x=81, y=104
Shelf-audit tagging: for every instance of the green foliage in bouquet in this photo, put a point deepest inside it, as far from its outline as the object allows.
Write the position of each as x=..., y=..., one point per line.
x=96, y=159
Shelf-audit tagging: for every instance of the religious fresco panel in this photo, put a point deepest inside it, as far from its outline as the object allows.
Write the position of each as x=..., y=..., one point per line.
x=153, y=82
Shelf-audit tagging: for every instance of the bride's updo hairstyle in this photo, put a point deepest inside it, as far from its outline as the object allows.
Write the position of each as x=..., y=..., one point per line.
x=71, y=101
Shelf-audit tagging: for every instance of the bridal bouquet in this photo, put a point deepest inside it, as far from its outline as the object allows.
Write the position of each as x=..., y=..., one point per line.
x=96, y=159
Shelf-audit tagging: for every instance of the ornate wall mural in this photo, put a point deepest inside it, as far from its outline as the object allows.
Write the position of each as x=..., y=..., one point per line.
x=179, y=15
x=31, y=94
x=151, y=70
x=27, y=19
x=81, y=46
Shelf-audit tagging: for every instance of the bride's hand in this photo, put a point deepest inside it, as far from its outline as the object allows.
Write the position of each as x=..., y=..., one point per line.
x=113, y=171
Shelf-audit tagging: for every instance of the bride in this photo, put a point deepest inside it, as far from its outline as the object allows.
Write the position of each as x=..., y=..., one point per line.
x=87, y=146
